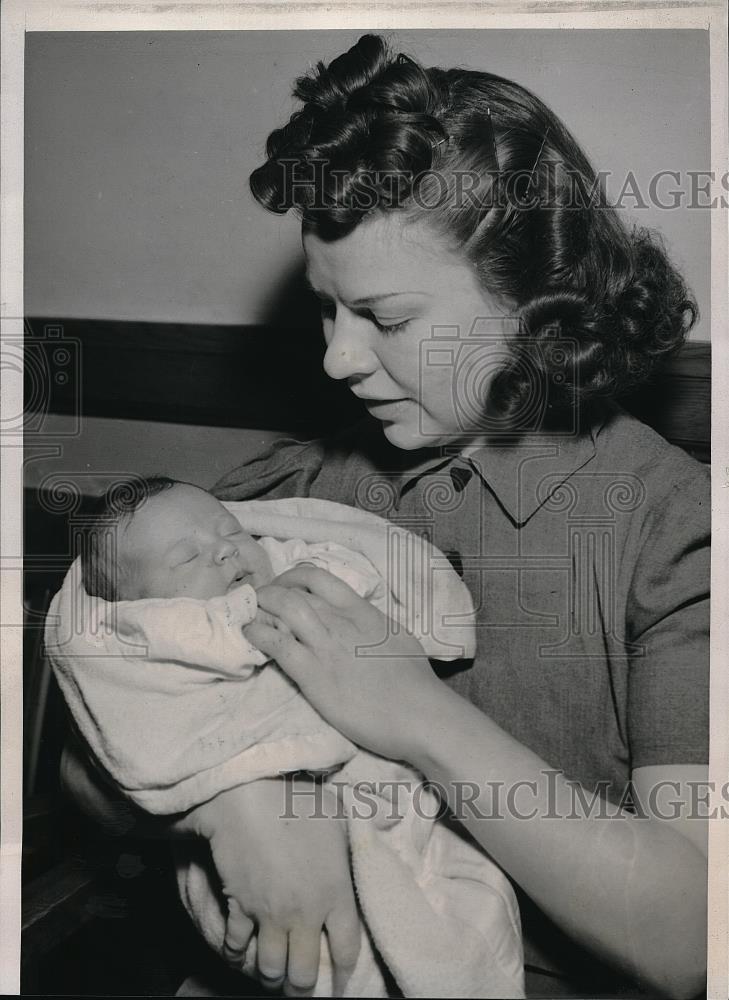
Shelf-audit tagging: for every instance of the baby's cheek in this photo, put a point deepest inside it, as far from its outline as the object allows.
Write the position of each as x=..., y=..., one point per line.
x=263, y=576
x=263, y=570
x=184, y=585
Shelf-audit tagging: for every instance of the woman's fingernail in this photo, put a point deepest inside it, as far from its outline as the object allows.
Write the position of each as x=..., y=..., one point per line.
x=271, y=977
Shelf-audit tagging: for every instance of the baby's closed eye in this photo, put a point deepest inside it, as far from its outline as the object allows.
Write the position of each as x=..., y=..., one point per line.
x=230, y=528
x=180, y=557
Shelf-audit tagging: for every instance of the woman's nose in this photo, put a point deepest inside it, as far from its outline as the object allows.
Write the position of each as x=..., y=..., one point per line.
x=348, y=352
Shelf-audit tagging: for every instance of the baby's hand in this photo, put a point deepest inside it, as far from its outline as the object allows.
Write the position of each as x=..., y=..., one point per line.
x=287, y=878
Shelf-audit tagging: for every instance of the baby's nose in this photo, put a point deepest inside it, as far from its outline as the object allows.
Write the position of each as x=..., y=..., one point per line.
x=225, y=551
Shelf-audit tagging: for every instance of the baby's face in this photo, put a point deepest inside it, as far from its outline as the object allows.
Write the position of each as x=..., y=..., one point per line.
x=184, y=543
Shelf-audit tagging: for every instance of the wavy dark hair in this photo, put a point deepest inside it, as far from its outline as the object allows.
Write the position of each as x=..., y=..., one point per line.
x=502, y=181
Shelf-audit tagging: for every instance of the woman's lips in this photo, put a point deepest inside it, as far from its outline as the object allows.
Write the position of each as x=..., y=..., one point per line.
x=383, y=407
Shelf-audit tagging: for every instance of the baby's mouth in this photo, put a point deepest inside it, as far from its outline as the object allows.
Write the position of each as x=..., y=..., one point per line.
x=239, y=579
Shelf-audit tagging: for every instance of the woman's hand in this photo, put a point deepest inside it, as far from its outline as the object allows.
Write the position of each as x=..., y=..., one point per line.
x=365, y=675
x=289, y=878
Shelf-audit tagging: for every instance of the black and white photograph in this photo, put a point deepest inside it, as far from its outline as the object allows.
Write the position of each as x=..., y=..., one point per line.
x=364, y=627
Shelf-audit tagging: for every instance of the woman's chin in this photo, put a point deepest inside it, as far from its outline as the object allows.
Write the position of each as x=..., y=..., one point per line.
x=407, y=438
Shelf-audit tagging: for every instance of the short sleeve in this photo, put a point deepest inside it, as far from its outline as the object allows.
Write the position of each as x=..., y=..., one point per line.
x=288, y=468
x=668, y=620
x=327, y=468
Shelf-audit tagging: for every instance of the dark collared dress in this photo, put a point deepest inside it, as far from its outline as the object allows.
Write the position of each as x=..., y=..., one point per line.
x=588, y=559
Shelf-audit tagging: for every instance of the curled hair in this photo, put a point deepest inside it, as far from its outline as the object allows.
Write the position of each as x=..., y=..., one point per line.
x=501, y=180
x=101, y=571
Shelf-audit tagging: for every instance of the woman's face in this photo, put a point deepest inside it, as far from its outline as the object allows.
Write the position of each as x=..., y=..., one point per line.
x=409, y=327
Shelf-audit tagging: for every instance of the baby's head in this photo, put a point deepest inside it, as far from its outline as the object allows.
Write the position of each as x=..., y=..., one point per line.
x=159, y=537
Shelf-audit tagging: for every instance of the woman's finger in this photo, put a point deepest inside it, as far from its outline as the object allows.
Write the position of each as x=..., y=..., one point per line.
x=322, y=583
x=304, y=953
x=238, y=932
x=324, y=609
x=273, y=946
x=294, y=659
x=274, y=642
x=344, y=930
x=292, y=608
x=264, y=618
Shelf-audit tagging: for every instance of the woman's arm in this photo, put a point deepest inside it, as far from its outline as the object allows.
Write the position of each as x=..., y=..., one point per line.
x=633, y=890
x=286, y=880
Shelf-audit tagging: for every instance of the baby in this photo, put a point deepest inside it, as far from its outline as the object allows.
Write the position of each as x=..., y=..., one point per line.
x=161, y=538
x=167, y=578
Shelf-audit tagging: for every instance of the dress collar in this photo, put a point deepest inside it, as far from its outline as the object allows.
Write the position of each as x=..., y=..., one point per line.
x=523, y=473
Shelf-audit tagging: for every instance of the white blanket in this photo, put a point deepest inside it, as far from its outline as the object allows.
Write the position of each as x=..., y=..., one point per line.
x=438, y=913
x=177, y=706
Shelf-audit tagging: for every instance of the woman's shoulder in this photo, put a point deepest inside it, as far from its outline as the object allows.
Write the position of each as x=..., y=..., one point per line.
x=318, y=467
x=627, y=446
x=660, y=503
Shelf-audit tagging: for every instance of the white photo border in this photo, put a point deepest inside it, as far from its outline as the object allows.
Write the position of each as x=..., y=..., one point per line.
x=21, y=16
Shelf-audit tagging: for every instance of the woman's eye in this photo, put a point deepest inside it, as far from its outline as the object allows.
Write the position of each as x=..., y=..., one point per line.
x=389, y=327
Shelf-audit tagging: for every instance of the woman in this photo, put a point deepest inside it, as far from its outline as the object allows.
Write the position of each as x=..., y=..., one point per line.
x=486, y=305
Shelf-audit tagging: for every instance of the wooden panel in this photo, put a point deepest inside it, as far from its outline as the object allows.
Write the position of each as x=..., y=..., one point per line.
x=255, y=377
x=678, y=402
x=55, y=905
x=262, y=377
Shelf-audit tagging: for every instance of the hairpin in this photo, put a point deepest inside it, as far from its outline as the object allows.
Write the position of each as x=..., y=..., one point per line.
x=492, y=141
x=536, y=163
x=448, y=140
